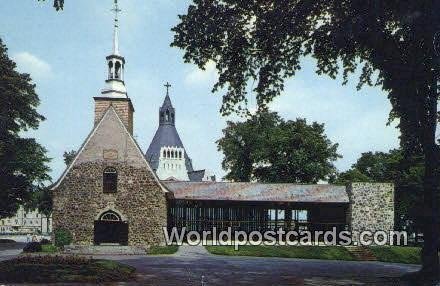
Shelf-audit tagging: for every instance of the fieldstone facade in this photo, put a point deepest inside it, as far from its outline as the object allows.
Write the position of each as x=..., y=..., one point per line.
x=371, y=207
x=140, y=200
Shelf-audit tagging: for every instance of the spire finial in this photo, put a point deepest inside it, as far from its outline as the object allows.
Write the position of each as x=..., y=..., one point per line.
x=116, y=30
x=167, y=85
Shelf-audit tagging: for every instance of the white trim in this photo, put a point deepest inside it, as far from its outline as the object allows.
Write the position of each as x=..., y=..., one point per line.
x=91, y=135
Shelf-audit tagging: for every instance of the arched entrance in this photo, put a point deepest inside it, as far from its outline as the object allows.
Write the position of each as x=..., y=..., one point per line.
x=110, y=228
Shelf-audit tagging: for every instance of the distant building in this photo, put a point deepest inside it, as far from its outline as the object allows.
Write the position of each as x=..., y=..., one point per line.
x=25, y=222
x=166, y=153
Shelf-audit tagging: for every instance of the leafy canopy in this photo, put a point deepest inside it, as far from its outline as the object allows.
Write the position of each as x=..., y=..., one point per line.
x=264, y=41
x=23, y=162
x=267, y=148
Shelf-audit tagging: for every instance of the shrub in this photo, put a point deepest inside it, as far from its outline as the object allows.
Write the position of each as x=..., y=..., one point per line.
x=32, y=247
x=62, y=237
x=45, y=241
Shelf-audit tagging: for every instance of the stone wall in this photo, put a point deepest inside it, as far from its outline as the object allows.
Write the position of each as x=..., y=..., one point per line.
x=371, y=207
x=79, y=201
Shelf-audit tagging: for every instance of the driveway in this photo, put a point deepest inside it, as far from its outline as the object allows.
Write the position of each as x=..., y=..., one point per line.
x=192, y=266
x=195, y=266
x=10, y=250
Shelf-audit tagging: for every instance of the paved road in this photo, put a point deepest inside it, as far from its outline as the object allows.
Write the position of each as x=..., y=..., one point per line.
x=194, y=266
x=10, y=250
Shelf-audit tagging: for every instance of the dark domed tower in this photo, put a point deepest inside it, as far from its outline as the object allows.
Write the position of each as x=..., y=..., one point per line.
x=166, y=153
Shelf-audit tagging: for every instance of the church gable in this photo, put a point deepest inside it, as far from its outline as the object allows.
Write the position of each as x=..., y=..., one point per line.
x=110, y=142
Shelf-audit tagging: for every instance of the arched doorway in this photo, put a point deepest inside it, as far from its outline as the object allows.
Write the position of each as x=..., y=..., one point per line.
x=110, y=229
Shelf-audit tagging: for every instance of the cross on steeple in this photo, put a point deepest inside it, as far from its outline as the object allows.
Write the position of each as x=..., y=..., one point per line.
x=116, y=10
x=116, y=29
x=167, y=85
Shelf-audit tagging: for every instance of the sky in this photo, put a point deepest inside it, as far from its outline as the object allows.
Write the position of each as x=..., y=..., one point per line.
x=65, y=54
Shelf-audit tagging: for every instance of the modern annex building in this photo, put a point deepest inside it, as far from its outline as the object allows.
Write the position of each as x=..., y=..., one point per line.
x=114, y=194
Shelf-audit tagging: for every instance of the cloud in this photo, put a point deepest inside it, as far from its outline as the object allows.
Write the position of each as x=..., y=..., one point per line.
x=31, y=64
x=199, y=77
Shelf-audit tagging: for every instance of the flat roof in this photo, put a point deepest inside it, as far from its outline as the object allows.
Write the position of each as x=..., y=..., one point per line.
x=225, y=191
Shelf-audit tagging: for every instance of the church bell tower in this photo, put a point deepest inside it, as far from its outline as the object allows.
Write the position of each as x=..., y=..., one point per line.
x=115, y=93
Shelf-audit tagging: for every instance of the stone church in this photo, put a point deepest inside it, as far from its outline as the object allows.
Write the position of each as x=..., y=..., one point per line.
x=110, y=187
x=114, y=194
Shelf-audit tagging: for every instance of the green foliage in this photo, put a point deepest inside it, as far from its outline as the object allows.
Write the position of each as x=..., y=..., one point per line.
x=62, y=237
x=267, y=148
x=64, y=269
x=23, y=162
x=49, y=248
x=32, y=247
x=69, y=156
x=397, y=254
x=57, y=4
x=160, y=250
x=305, y=252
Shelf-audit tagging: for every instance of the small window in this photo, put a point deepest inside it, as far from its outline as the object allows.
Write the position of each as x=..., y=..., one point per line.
x=110, y=180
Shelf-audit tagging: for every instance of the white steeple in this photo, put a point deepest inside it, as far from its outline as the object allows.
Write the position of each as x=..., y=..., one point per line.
x=116, y=30
x=115, y=86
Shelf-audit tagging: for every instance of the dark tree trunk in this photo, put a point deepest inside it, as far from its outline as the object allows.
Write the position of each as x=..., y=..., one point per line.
x=431, y=232
x=431, y=226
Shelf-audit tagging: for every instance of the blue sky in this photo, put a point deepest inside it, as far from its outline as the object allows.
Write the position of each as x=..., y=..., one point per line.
x=65, y=54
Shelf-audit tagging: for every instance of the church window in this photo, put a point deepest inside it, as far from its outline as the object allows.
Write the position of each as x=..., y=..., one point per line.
x=110, y=180
x=164, y=153
x=167, y=115
x=172, y=117
x=118, y=70
x=162, y=116
x=180, y=154
x=110, y=216
x=172, y=154
x=168, y=153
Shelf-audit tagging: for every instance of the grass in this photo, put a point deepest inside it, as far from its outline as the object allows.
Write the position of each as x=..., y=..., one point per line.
x=59, y=269
x=159, y=250
x=397, y=254
x=306, y=252
x=49, y=248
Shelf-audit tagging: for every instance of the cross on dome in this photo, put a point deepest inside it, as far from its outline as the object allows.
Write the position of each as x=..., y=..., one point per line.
x=167, y=85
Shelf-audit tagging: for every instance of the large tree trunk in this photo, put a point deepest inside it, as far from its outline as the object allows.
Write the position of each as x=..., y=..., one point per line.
x=431, y=232
x=431, y=227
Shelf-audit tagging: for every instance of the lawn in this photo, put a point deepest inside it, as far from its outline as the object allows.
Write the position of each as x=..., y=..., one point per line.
x=63, y=269
x=397, y=254
x=49, y=248
x=306, y=252
x=159, y=250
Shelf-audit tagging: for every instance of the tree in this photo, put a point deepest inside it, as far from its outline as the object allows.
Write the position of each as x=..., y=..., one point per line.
x=57, y=4
x=267, y=148
x=390, y=42
x=23, y=162
x=69, y=156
